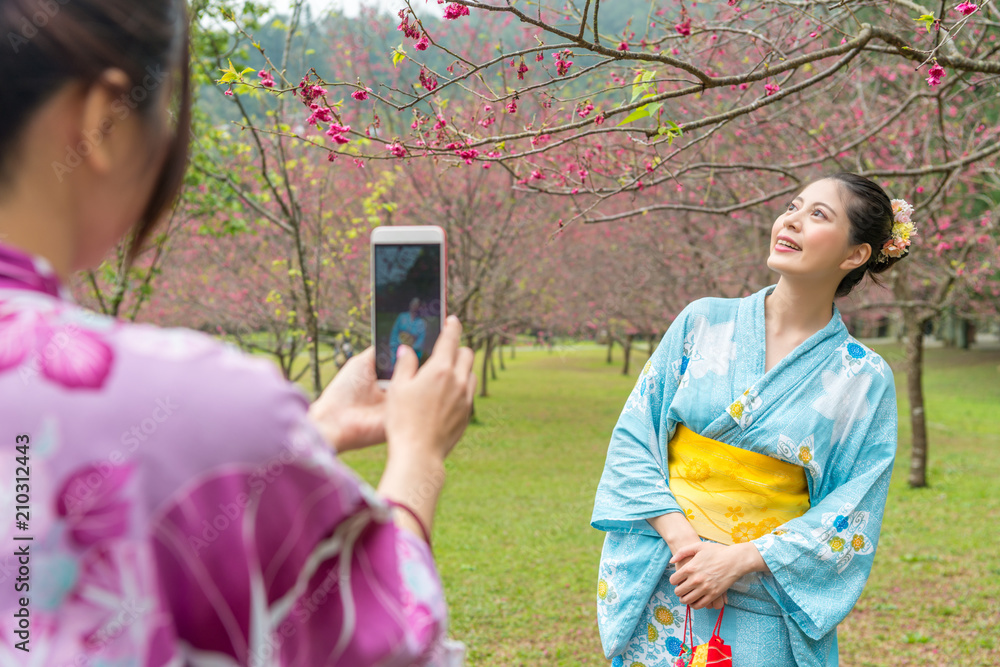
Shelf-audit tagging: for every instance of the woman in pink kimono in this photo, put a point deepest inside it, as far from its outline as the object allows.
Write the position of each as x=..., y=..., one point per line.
x=166, y=499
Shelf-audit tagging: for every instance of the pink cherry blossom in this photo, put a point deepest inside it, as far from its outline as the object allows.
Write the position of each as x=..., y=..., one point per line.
x=967, y=8
x=454, y=10
x=396, y=149
x=512, y=106
x=562, y=61
x=361, y=95
x=935, y=75
x=427, y=80
x=407, y=28
x=320, y=114
x=266, y=79
x=684, y=28
x=468, y=155
x=422, y=43
x=771, y=89
x=310, y=92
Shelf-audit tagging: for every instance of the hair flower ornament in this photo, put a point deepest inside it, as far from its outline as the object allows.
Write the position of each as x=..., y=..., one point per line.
x=902, y=229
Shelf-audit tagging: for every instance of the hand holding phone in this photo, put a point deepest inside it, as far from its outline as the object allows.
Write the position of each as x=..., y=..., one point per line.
x=429, y=408
x=426, y=413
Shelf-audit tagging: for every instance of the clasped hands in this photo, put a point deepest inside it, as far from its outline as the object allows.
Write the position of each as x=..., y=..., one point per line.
x=706, y=570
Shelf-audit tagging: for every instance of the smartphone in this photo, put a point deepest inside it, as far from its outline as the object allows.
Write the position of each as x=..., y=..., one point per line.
x=408, y=292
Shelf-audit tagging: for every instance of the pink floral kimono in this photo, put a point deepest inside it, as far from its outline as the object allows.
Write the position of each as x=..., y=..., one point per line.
x=181, y=510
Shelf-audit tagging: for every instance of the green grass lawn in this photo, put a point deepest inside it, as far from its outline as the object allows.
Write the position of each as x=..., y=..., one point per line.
x=519, y=559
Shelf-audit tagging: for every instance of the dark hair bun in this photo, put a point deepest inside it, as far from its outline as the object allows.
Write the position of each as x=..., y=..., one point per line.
x=869, y=211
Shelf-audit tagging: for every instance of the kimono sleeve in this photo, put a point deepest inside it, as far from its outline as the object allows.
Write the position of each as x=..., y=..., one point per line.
x=634, y=485
x=820, y=561
x=282, y=556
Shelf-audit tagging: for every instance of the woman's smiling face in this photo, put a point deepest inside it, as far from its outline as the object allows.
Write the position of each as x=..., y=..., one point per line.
x=812, y=237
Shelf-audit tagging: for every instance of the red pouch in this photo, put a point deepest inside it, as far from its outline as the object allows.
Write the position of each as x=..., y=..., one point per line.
x=715, y=652
x=687, y=647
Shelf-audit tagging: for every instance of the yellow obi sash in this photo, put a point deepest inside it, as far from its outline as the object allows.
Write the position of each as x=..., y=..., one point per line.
x=729, y=494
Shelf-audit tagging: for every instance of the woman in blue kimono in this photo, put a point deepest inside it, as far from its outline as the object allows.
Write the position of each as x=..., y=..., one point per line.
x=409, y=329
x=750, y=466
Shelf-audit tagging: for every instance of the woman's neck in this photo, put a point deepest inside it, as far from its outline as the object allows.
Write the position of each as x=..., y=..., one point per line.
x=797, y=309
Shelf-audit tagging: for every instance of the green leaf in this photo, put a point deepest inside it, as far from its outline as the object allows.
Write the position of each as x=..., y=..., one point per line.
x=640, y=84
x=398, y=54
x=641, y=112
x=927, y=20
x=230, y=74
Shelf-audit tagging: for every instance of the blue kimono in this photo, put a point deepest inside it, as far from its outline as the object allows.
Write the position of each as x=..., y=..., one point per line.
x=829, y=407
x=415, y=327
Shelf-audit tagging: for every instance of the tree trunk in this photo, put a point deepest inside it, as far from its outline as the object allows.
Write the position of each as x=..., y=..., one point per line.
x=652, y=347
x=513, y=347
x=627, y=347
x=500, y=355
x=611, y=345
x=486, y=364
x=914, y=388
x=493, y=367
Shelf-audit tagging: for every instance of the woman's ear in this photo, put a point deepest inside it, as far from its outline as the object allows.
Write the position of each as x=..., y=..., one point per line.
x=100, y=117
x=858, y=256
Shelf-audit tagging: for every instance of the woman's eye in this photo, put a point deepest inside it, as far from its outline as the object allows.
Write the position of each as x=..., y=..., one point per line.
x=790, y=207
x=820, y=212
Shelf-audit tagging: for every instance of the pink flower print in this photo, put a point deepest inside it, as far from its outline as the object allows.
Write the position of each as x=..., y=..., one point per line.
x=66, y=354
x=116, y=608
x=935, y=75
x=93, y=503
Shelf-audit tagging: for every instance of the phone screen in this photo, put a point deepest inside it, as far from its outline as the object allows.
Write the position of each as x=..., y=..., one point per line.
x=407, y=301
